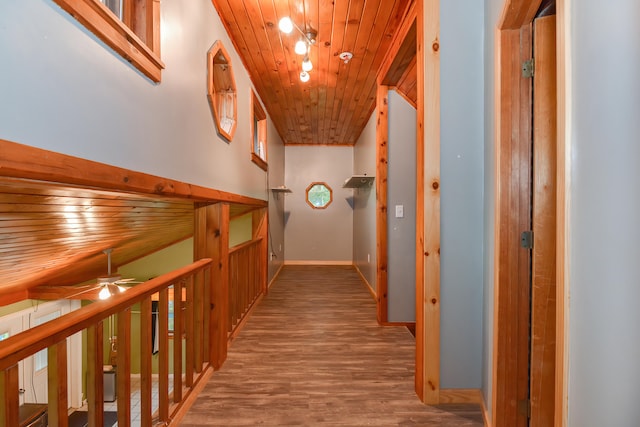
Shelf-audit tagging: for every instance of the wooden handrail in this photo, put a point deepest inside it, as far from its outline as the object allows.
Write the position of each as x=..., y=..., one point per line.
x=26, y=343
x=241, y=246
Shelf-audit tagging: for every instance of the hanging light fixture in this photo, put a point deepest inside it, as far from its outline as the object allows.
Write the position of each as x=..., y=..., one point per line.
x=306, y=64
x=302, y=46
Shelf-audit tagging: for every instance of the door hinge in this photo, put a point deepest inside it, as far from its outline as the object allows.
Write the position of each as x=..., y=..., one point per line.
x=527, y=68
x=526, y=239
x=524, y=407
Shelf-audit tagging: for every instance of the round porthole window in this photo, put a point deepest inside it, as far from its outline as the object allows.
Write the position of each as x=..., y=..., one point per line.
x=319, y=195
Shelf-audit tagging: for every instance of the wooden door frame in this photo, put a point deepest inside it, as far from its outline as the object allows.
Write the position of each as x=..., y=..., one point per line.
x=516, y=15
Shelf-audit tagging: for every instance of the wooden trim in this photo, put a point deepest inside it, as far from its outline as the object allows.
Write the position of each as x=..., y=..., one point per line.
x=428, y=204
x=564, y=71
x=461, y=395
x=366, y=283
x=311, y=262
x=146, y=361
x=22, y=161
x=485, y=413
x=163, y=354
x=213, y=90
x=244, y=319
x=191, y=396
x=382, y=172
x=398, y=39
x=313, y=184
x=107, y=27
x=275, y=276
x=400, y=324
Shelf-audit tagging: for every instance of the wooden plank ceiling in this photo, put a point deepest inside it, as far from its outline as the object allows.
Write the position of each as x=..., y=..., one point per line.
x=333, y=107
x=55, y=235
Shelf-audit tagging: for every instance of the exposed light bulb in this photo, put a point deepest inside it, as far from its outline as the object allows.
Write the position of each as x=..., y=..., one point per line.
x=104, y=293
x=301, y=47
x=306, y=64
x=285, y=25
x=304, y=77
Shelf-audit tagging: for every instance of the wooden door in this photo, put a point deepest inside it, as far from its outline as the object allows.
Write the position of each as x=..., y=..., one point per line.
x=543, y=283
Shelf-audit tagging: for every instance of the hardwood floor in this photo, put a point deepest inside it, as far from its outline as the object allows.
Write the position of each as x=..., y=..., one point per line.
x=312, y=354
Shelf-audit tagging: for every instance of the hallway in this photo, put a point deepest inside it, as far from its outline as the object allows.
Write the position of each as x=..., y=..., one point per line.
x=313, y=354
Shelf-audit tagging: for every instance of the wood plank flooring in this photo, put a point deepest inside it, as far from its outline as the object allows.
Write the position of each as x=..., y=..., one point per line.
x=313, y=354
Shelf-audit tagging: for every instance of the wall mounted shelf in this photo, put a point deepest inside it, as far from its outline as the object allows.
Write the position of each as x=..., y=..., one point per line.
x=358, y=181
x=282, y=189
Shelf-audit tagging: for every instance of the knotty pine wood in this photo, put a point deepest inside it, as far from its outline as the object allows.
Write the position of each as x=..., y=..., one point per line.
x=146, y=370
x=335, y=104
x=9, y=397
x=123, y=367
x=312, y=353
x=382, y=172
x=428, y=204
x=543, y=293
x=58, y=211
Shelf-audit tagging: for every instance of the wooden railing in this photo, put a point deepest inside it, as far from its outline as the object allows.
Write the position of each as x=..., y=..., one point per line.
x=190, y=293
x=247, y=279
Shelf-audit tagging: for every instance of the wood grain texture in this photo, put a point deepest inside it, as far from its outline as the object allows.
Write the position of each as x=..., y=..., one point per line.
x=543, y=292
x=428, y=203
x=312, y=353
x=334, y=106
x=382, y=184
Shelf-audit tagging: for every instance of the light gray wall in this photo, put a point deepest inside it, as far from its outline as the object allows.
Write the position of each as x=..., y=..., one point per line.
x=318, y=234
x=461, y=210
x=401, y=232
x=275, y=153
x=63, y=90
x=492, y=11
x=364, y=211
x=604, y=272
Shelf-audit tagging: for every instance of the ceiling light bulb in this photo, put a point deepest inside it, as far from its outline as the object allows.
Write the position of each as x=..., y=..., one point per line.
x=301, y=47
x=304, y=77
x=104, y=293
x=286, y=25
x=306, y=64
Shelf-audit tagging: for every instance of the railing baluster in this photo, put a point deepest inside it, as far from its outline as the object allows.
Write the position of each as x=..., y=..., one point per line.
x=57, y=384
x=123, y=367
x=95, y=374
x=198, y=330
x=9, y=397
x=202, y=279
x=177, y=341
x=146, y=350
x=163, y=363
x=189, y=334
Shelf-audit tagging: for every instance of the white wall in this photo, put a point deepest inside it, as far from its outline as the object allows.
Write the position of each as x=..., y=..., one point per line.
x=604, y=272
x=318, y=234
x=63, y=90
x=364, y=204
x=461, y=203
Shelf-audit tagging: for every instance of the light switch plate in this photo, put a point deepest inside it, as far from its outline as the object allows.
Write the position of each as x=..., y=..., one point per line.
x=399, y=211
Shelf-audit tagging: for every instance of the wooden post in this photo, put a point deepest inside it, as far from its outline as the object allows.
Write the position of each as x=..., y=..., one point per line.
x=95, y=376
x=57, y=384
x=428, y=204
x=145, y=361
x=382, y=171
x=9, y=400
x=211, y=240
x=123, y=367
